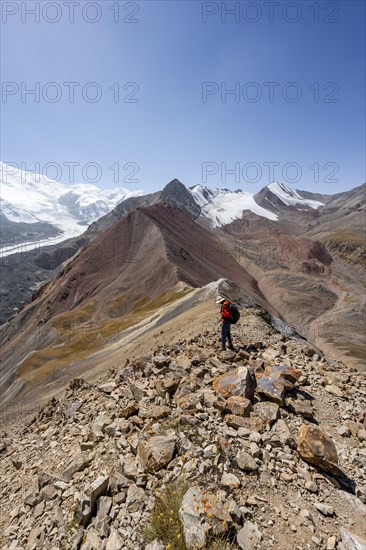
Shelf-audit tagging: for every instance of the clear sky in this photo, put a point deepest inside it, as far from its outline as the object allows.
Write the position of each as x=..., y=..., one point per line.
x=148, y=92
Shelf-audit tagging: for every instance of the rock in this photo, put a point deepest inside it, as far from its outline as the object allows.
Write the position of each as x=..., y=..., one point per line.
x=135, y=498
x=103, y=506
x=317, y=448
x=98, y=427
x=114, y=541
x=350, y=541
x=48, y=493
x=202, y=514
x=331, y=543
x=130, y=409
x=270, y=354
x=97, y=489
x=108, y=387
x=269, y=389
x=91, y=541
x=245, y=462
x=269, y=412
x=129, y=466
x=324, y=509
x=161, y=361
x=239, y=405
x=156, y=452
x=171, y=383
x=334, y=390
x=31, y=499
x=240, y=381
x=72, y=408
x=38, y=511
x=249, y=536
x=197, y=357
x=155, y=545
x=44, y=479
x=17, y=464
x=274, y=381
x=77, y=464
x=344, y=431
x=156, y=412
x=280, y=435
x=357, y=505
x=301, y=407
x=189, y=401
x=311, y=486
x=230, y=480
x=235, y=421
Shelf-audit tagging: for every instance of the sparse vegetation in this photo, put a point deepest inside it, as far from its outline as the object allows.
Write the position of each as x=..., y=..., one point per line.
x=77, y=340
x=165, y=524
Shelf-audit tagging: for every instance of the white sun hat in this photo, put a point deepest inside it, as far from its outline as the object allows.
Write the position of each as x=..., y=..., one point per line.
x=220, y=299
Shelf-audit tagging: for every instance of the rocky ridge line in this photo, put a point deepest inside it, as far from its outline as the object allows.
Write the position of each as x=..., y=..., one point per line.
x=270, y=441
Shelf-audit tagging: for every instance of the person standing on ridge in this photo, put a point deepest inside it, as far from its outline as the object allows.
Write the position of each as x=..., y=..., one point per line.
x=226, y=321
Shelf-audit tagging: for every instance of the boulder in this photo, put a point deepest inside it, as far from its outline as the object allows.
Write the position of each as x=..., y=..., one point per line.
x=230, y=480
x=249, y=536
x=135, y=498
x=281, y=435
x=239, y=405
x=114, y=541
x=129, y=409
x=246, y=462
x=235, y=421
x=156, y=453
x=269, y=412
x=188, y=401
x=301, y=407
x=108, y=387
x=324, y=509
x=202, y=514
x=350, y=541
x=317, y=448
x=240, y=381
x=275, y=381
x=78, y=463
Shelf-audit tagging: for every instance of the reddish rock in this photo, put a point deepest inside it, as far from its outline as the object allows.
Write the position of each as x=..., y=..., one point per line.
x=317, y=448
x=156, y=452
x=240, y=381
x=241, y=406
x=274, y=381
x=235, y=421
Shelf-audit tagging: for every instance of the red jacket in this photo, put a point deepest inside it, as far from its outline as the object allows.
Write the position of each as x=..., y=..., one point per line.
x=225, y=312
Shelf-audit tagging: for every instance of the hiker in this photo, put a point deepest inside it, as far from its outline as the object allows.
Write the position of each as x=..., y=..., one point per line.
x=226, y=322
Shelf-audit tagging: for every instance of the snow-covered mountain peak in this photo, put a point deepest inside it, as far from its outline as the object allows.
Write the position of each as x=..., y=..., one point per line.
x=223, y=206
x=291, y=197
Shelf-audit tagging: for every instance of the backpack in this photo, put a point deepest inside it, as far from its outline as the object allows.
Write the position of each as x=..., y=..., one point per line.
x=235, y=314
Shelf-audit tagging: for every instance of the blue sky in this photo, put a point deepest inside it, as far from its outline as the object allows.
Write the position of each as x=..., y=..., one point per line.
x=174, y=119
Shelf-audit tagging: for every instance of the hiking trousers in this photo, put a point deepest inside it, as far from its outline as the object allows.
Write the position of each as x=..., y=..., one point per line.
x=226, y=334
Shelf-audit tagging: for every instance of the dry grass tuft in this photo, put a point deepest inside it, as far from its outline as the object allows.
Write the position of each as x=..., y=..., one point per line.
x=165, y=524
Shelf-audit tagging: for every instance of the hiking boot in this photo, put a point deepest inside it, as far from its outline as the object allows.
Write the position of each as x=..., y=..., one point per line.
x=223, y=348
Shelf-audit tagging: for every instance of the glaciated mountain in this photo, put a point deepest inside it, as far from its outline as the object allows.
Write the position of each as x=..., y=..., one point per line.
x=222, y=206
x=278, y=198
x=35, y=208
